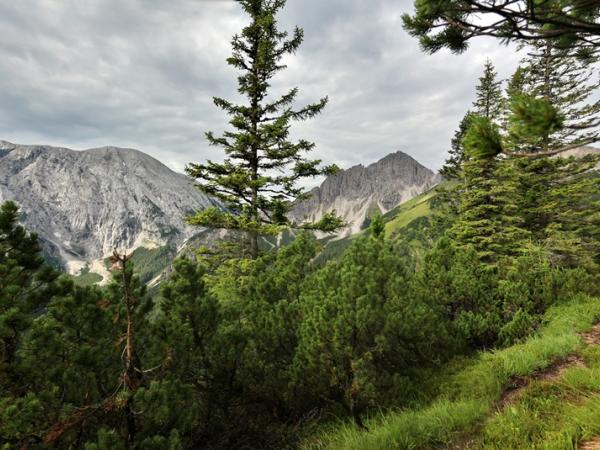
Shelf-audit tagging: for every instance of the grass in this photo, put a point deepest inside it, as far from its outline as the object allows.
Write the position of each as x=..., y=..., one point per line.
x=404, y=214
x=149, y=263
x=551, y=414
x=396, y=220
x=466, y=397
x=87, y=278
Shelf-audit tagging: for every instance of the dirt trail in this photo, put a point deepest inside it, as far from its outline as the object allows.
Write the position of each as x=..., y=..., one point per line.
x=518, y=385
x=550, y=373
x=592, y=337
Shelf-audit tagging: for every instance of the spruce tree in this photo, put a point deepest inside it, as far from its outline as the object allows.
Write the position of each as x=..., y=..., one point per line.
x=257, y=181
x=488, y=217
x=515, y=86
x=489, y=100
x=453, y=166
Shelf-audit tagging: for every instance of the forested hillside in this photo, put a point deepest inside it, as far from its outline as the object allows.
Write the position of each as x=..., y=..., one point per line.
x=466, y=318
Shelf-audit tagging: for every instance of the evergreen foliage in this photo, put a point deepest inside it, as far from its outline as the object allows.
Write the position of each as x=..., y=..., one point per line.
x=555, y=195
x=257, y=352
x=452, y=23
x=452, y=168
x=257, y=182
x=253, y=352
x=364, y=331
x=489, y=101
x=566, y=78
x=26, y=287
x=488, y=216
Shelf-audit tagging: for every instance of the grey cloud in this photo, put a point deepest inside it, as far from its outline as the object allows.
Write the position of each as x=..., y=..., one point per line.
x=142, y=74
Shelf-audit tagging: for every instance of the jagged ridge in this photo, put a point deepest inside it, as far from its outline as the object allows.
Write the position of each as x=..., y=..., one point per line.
x=359, y=191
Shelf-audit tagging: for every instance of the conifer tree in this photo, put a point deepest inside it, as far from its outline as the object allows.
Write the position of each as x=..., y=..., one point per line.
x=452, y=23
x=566, y=79
x=488, y=218
x=453, y=166
x=83, y=384
x=515, y=86
x=551, y=109
x=489, y=100
x=363, y=328
x=257, y=182
x=26, y=286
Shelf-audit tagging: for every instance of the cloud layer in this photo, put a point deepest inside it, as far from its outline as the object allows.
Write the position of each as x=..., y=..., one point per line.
x=142, y=73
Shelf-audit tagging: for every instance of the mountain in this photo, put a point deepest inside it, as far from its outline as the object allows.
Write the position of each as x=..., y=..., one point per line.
x=83, y=204
x=359, y=192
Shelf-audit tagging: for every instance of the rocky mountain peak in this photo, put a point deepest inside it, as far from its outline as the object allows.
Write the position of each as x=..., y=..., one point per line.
x=359, y=192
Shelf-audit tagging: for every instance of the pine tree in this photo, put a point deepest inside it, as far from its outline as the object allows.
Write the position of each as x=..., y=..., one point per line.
x=489, y=102
x=188, y=329
x=488, y=218
x=26, y=287
x=363, y=329
x=452, y=23
x=453, y=166
x=257, y=182
x=82, y=379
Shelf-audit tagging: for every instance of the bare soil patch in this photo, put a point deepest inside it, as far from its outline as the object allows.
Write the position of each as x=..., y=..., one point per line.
x=592, y=337
x=594, y=444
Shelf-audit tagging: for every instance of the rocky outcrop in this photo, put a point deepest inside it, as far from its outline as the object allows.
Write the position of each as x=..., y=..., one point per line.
x=85, y=203
x=359, y=192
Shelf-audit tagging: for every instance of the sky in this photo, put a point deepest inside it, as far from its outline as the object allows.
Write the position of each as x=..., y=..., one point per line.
x=142, y=74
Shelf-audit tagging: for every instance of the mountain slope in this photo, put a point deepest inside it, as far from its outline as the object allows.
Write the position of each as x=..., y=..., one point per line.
x=359, y=192
x=83, y=204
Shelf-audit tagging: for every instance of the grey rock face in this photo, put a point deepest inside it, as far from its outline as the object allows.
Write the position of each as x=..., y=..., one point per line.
x=359, y=191
x=85, y=203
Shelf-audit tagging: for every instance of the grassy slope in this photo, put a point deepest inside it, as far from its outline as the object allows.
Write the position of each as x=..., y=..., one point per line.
x=550, y=414
x=87, y=278
x=404, y=214
x=395, y=220
x=149, y=263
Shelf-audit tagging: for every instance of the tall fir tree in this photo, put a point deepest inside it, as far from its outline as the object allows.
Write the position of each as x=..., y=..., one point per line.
x=488, y=217
x=489, y=101
x=452, y=168
x=257, y=181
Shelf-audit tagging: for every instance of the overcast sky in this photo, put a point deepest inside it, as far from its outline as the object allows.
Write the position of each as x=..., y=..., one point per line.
x=142, y=73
